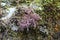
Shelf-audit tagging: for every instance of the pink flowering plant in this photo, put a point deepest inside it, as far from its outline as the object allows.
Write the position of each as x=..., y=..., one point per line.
x=29, y=19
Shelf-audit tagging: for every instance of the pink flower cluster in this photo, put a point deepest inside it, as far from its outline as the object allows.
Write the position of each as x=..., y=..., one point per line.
x=29, y=19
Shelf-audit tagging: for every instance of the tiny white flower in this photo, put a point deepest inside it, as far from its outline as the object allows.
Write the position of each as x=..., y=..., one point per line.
x=14, y=28
x=3, y=4
x=40, y=8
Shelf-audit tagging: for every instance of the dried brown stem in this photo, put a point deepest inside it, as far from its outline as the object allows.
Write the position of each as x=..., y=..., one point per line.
x=0, y=8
